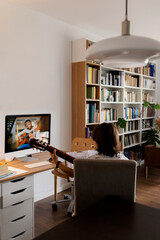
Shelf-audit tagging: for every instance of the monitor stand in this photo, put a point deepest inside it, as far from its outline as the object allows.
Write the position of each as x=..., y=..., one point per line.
x=27, y=159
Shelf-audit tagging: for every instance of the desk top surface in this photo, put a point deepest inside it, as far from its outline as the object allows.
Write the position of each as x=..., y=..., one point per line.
x=43, y=156
x=110, y=219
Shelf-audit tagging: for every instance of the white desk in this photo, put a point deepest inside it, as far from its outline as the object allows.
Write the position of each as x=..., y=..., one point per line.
x=16, y=200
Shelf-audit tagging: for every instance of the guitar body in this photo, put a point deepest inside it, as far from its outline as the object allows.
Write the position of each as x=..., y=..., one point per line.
x=25, y=137
x=43, y=146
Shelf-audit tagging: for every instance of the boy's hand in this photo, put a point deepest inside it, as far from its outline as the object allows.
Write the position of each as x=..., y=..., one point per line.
x=54, y=157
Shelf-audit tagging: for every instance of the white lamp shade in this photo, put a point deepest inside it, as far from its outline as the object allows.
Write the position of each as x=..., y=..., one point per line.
x=123, y=51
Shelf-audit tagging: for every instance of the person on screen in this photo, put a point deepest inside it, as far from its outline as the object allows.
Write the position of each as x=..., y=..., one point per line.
x=26, y=134
x=107, y=139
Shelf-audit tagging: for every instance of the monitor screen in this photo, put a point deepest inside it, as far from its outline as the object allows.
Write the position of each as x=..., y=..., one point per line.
x=19, y=129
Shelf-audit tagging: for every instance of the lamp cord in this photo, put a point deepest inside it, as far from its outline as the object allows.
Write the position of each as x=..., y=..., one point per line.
x=126, y=9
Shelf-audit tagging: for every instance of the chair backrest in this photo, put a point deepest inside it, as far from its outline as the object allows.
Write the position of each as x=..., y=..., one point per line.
x=83, y=144
x=97, y=178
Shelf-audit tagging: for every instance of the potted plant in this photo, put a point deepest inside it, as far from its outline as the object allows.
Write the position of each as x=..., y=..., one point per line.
x=152, y=135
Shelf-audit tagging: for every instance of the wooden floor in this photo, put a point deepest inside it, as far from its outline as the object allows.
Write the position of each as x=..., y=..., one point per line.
x=148, y=193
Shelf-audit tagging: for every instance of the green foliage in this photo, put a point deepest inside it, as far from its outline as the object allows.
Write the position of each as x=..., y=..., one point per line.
x=151, y=137
x=157, y=106
x=147, y=104
x=122, y=122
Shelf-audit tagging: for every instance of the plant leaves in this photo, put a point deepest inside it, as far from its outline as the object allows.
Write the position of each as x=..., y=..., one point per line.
x=122, y=122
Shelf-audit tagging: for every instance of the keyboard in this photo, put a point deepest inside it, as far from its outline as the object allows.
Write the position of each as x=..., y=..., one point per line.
x=38, y=164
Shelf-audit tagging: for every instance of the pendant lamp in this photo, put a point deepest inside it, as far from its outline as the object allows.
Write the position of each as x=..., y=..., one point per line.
x=124, y=51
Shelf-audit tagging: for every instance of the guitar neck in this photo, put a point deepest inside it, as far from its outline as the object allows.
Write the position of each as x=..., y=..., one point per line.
x=61, y=154
x=35, y=143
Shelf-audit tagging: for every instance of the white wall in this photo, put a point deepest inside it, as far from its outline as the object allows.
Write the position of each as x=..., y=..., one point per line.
x=158, y=81
x=35, y=70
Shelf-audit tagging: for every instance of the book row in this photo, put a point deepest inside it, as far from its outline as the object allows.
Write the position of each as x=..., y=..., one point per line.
x=135, y=153
x=92, y=75
x=92, y=113
x=148, y=83
x=147, y=97
x=131, y=125
x=91, y=92
x=88, y=132
x=131, y=112
x=109, y=114
x=131, y=81
x=110, y=96
x=149, y=70
x=112, y=79
x=147, y=123
x=130, y=96
x=147, y=112
x=134, y=70
x=131, y=139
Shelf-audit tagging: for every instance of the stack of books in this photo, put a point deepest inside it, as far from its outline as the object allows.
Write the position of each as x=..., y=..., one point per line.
x=131, y=81
x=131, y=112
x=92, y=75
x=3, y=169
x=92, y=113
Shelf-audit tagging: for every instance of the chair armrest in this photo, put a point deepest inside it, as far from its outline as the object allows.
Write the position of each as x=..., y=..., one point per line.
x=59, y=173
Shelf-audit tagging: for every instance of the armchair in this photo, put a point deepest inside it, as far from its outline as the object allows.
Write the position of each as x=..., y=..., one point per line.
x=95, y=179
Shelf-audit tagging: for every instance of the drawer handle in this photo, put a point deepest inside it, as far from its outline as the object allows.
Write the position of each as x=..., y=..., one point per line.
x=17, y=219
x=19, y=191
x=17, y=203
x=17, y=180
x=18, y=234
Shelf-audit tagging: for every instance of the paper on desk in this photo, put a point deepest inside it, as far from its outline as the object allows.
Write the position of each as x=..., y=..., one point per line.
x=16, y=171
x=12, y=171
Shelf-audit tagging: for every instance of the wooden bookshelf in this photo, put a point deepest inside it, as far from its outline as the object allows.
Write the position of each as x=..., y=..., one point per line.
x=116, y=91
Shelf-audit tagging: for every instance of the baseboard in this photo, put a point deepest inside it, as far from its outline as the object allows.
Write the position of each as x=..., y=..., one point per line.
x=40, y=196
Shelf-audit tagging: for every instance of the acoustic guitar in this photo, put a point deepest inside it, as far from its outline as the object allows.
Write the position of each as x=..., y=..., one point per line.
x=43, y=146
x=25, y=136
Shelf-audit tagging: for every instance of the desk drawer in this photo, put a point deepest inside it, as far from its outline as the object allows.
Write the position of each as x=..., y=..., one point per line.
x=16, y=227
x=17, y=196
x=26, y=235
x=17, y=210
x=17, y=184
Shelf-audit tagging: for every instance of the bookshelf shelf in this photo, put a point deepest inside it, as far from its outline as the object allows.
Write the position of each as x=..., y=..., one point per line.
x=133, y=119
x=114, y=121
x=111, y=102
x=90, y=124
x=119, y=93
x=132, y=102
x=132, y=145
x=111, y=86
x=145, y=129
x=120, y=134
x=148, y=89
x=143, y=118
x=92, y=100
x=92, y=84
x=130, y=132
x=146, y=76
x=131, y=87
x=132, y=73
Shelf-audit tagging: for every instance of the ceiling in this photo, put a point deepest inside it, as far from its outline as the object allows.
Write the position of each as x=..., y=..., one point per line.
x=102, y=17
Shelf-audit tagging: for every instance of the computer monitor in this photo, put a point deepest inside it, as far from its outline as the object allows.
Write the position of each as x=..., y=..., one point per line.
x=19, y=129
